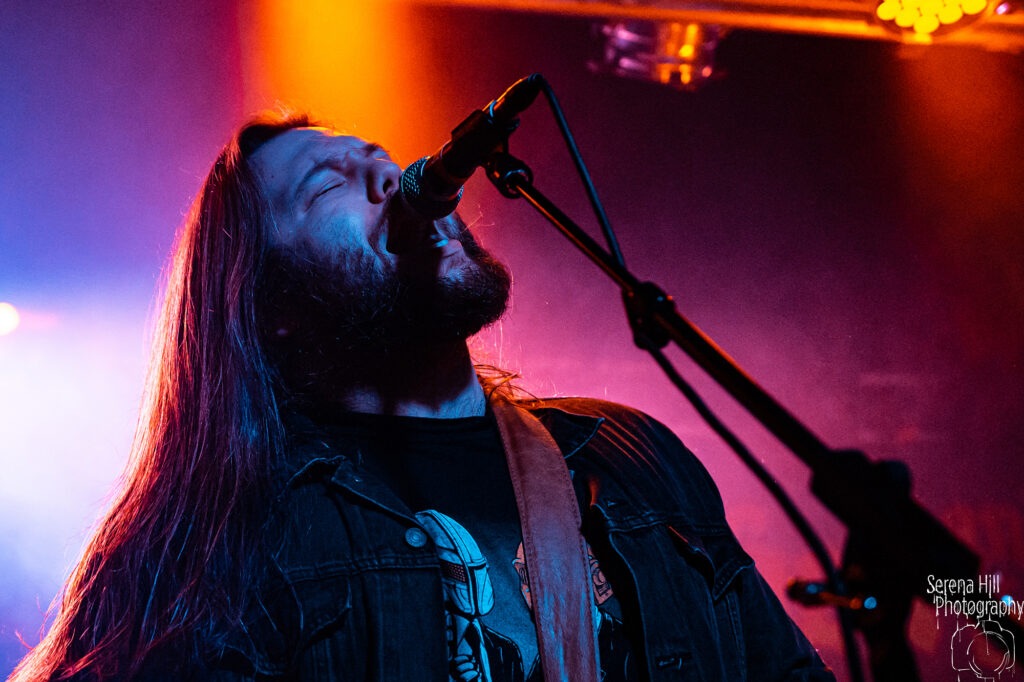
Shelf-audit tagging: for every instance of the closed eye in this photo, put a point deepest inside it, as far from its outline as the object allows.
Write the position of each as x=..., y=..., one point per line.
x=332, y=185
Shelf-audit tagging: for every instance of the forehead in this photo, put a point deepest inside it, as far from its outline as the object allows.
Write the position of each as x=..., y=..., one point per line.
x=281, y=161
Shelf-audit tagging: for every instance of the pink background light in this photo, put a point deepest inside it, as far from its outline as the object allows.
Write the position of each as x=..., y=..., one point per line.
x=844, y=221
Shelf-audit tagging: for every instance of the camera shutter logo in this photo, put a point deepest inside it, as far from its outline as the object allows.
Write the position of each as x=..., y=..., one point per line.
x=985, y=649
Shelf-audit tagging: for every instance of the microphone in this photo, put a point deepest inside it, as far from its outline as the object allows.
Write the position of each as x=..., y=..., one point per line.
x=432, y=186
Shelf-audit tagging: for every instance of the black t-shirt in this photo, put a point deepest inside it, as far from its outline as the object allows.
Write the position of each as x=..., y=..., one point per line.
x=453, y=474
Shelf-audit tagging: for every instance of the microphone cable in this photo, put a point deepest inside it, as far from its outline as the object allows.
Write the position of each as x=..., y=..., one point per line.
x=792, y=512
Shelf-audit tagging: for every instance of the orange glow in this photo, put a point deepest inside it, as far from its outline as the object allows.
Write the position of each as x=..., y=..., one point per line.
x=689, y=47
x=681, y=45
x=354, y=63
x=959, y=112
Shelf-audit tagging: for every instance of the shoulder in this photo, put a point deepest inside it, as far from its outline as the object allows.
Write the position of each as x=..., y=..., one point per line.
x=611, y=423
x=603, y=415
x=593, y=407
x=622, y=450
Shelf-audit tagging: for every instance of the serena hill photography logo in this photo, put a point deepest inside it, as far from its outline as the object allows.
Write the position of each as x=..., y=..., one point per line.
x=981, y=647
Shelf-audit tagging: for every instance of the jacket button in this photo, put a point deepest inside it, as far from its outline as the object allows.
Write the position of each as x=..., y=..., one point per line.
x=415, y=537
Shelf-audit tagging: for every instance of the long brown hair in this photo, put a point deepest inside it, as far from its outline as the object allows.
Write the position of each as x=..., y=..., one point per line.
x=170, y=561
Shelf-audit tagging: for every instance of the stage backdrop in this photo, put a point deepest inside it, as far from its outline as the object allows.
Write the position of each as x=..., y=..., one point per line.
x=844, y=218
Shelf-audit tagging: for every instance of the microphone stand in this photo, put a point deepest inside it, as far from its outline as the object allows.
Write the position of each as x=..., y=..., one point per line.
x=893, y=543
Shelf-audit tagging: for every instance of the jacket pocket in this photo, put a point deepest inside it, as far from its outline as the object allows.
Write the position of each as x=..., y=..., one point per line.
x=685, y=580
x=718, y=556
x=715, y=552
x=282, y=620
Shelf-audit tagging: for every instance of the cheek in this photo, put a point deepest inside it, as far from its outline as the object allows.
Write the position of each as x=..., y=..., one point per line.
x=338, y=238
x=339, y=248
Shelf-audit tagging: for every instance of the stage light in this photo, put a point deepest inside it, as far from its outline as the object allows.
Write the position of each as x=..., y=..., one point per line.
x=673, y=53
x=9, y=318
x=994, y=25
x=928, y=17
x=950, y=14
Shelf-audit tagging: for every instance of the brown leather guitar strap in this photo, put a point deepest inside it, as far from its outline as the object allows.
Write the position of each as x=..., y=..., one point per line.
x=560, y=584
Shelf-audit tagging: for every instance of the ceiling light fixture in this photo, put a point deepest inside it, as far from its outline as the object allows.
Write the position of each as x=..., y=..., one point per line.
x=673, y=53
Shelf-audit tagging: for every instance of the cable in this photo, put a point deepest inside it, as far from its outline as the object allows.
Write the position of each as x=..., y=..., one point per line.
x=581, y=168
x=794, y=515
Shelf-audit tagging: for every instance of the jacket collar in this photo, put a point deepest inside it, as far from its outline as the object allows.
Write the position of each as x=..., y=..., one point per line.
x=570, y=430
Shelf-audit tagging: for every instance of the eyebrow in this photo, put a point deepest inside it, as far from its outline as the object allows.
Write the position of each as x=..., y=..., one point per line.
x=368, y=148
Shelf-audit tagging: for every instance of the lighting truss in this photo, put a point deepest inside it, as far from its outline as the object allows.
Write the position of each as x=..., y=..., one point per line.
x=998, y=27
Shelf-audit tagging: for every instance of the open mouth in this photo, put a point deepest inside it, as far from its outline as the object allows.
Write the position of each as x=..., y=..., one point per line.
x=406, y=233
x=445, y=247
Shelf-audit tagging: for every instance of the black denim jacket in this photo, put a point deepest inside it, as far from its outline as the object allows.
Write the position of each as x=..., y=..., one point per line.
x=355, y=589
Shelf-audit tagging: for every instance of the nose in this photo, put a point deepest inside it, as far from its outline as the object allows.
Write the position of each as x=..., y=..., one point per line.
x=383, y=177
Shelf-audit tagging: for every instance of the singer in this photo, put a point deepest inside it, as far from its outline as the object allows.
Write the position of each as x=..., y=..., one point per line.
x=324, y=487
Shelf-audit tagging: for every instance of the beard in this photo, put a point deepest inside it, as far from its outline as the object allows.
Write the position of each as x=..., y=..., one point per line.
x=319, y=306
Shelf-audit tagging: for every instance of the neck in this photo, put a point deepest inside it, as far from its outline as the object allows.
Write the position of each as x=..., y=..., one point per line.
x=437, y=382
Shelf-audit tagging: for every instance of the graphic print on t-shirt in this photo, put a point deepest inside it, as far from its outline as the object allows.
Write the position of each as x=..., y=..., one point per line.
x=467, y=591
x=481, y=654
x=612, y=645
